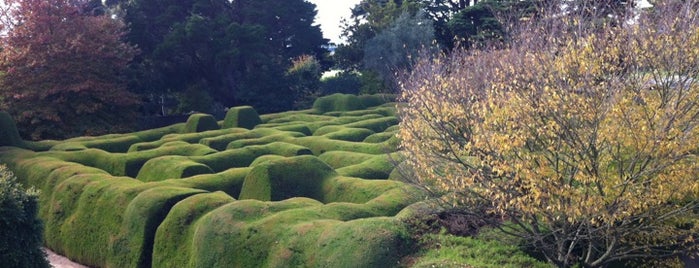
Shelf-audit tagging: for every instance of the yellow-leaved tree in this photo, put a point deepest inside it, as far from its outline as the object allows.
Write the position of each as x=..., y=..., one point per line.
x=583, y=139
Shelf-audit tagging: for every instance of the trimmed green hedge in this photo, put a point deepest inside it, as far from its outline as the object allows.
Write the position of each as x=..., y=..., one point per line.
x=242, y=117
x=300, y=188
x=9, y=135
x=200, y=122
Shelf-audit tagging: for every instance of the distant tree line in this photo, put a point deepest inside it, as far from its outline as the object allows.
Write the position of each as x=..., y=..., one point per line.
x=88, y=67
x=384, y=37
x=77, y=67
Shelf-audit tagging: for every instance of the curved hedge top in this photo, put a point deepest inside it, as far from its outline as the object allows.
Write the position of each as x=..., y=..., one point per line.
x=302, y=188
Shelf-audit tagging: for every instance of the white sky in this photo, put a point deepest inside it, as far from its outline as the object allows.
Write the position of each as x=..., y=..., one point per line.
x=330, y=13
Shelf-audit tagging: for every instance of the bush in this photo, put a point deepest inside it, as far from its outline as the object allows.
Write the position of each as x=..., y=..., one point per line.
x=345, y=82
x=200, y=123
x=583, y=135
x=304, y=79
x=194, y=99
x=20, y=228
x=9, y=136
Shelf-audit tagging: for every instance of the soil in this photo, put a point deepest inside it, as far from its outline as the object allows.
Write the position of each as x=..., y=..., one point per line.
x=58, y=261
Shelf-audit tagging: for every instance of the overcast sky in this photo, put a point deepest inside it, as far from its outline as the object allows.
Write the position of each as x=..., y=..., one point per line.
x=330, y=13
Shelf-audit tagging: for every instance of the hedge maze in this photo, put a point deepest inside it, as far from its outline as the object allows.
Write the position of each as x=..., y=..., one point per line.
x=312, y=188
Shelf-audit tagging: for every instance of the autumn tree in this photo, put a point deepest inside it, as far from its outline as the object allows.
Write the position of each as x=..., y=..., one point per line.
x=62, y=70
x=584, y=141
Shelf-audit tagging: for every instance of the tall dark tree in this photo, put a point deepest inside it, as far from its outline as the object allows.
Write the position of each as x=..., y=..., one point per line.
x=220, y=49
x=368, y=19
x=396, y=48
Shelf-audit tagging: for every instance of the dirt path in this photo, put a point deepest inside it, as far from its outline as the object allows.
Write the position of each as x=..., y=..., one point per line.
x=58, y=261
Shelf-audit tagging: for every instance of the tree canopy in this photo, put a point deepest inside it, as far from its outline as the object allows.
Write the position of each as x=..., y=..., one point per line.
x=63, y=70
x=221, y=49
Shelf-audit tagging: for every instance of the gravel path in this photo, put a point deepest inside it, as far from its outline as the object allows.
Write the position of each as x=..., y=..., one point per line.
x=58, y=261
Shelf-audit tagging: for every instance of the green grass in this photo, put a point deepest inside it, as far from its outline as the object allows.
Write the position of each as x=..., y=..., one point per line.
x=452, y=251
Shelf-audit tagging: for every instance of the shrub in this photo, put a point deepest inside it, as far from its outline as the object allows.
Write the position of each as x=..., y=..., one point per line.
x=304, y=75
x=200, y=123
x=9, y=136
x=20, y=228
x=242, y=117
x=345, y=82
x=584, y=137
x=194, y=99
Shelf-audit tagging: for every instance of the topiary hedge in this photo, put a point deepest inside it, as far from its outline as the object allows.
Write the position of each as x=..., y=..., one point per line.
x=299, y=188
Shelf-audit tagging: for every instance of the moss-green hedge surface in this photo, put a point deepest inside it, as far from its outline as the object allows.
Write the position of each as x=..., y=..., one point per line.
x=295, y=189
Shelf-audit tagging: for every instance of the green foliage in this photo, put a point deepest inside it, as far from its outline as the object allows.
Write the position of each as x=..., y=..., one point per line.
x=304, y=79
x=133, y=244
x=221, y=142
x=20, y=228
x=195, y=98
x=477, y=23
x=397, y=47
x=452, y=251
x=336, y=102
x=369, y=18
x=9, y=136
x=178, y=135
x=169, y=197
x=380, y=137
x=171, y=167
x=321, y=145
x=371, y=82
x=115, y=143
x=237, y=52
x=281, y=179
x=242, y=116
x=378, y=167
x=349, y=134
x=476, y=26
x=338, y=159
x=177, y=250
x=345, y=82
x=375, y=124
x=264, y=140
x=200, y=123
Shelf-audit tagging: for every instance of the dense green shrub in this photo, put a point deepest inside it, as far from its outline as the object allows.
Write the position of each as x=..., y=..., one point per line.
x=200, y=122
x=343, y=82
x=242, y=116
x=20, y=228
x=8, y=131
x=194, y=99
x=338, y=102
x=304, y=79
